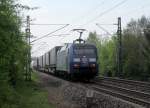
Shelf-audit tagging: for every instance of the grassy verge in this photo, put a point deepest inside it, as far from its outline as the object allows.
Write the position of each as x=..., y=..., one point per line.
x=30, y=95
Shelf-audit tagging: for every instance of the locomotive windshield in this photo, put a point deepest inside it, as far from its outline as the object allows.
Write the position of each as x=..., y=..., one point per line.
x=84, y=51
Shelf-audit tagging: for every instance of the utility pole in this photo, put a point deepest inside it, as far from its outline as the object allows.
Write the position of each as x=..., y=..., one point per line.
x=28, y=65
x=119, y=49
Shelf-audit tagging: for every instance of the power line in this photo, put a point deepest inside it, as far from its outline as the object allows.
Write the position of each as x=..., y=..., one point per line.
x=136, y=10
x=44, y=44
x=106, y=24
x=50, y=33
x=103, y=29
x=46, y=24
x=105, y=12
x=40, y=47
x=91, y=11
x=62, y=35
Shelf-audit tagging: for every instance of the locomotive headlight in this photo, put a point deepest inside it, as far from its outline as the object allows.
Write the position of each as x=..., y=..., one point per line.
x=92, y=59
x=76, y=59
x=93, y=65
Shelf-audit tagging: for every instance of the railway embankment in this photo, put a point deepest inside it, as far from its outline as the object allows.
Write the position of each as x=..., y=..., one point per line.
x=65, y=94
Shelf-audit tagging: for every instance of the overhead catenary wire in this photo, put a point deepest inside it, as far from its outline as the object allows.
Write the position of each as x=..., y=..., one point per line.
x=44, y=44
x=50, y=33
x=136, y=10
x=106, y=11
x=59, y=35
x=35, y=24
x=106, y=24
x=90, y=11
x=40, y=47
x=98, y=25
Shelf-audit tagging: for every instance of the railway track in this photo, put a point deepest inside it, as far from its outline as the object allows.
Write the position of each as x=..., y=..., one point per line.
x=123, y=96
x=120, y=88
x=122, y=92
x=129, y=84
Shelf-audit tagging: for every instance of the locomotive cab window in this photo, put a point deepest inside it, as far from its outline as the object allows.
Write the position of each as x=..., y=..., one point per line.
x=83, y=51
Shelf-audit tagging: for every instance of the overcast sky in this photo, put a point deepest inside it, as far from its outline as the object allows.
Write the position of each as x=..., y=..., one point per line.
x=79, y=14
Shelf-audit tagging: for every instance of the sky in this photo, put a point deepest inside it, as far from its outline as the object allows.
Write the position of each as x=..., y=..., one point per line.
x=82, y=14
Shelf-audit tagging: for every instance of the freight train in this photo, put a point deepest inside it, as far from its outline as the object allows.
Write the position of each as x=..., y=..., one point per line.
x=72, y=60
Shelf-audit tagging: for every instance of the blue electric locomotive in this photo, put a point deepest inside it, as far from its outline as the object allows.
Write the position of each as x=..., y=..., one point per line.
x=77, y=60
x=74, y=60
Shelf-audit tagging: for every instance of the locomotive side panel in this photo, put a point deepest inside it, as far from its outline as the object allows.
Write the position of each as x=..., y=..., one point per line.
x=44, y=58
x=53, y=56
x=47, y=63
x=40, y=62
x=62, y=61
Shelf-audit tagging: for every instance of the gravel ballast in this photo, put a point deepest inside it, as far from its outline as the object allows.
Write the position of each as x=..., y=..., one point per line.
x=65, y=94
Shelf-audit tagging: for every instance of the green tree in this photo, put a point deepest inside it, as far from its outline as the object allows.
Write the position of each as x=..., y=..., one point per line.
x=136, y=51
x=134, y=43
x=12, y=51
x=106, y=53
x=146, y=51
